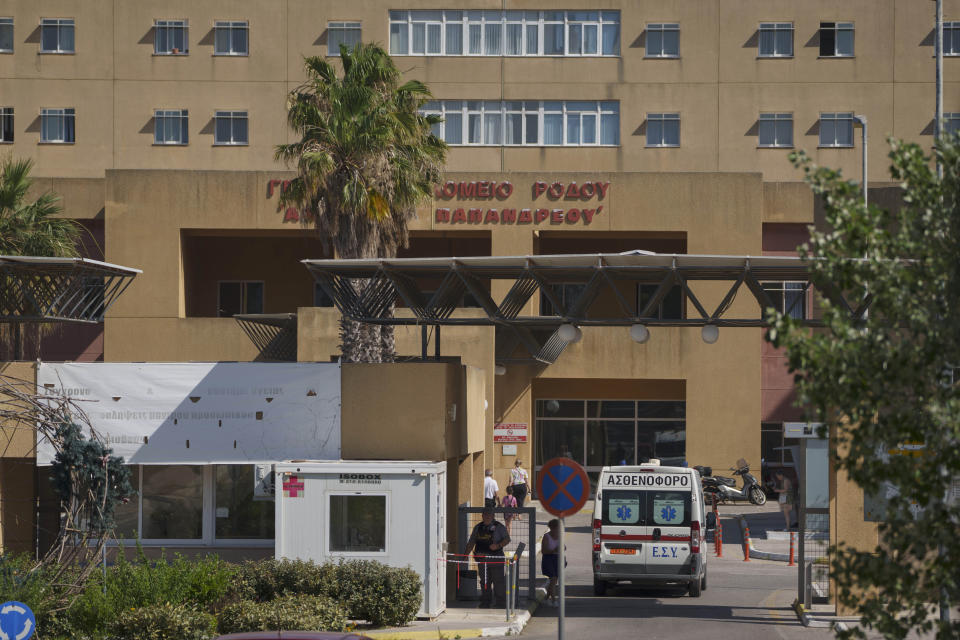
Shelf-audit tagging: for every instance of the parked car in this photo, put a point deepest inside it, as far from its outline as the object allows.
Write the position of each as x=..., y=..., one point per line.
x=292, y=635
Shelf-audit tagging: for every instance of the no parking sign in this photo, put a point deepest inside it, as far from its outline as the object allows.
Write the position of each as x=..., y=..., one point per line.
x=16, y=621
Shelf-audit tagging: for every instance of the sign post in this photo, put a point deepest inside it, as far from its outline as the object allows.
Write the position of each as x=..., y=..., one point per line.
x=563, y=488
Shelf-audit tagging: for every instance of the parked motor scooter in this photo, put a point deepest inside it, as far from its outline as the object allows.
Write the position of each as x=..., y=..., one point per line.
x=724, y=489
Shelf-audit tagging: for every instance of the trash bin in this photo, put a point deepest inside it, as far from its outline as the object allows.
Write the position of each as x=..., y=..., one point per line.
x=468, y=588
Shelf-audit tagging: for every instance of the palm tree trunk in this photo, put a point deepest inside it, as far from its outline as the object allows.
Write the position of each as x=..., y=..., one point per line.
x=17, y=342
x=388, y=345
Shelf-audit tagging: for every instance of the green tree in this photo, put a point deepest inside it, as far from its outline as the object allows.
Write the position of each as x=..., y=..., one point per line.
x=887, y=380
x=365, y=158
x=30, y=228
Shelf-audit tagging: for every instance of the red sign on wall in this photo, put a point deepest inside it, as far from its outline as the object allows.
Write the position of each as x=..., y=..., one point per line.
x=510, y=432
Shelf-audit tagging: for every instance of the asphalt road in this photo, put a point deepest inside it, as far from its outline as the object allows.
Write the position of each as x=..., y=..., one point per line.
x=743, y=601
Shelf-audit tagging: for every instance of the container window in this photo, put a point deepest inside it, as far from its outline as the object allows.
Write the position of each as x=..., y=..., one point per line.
x=358, y=524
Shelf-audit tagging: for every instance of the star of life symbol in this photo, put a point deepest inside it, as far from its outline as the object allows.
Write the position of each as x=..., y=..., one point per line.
x=668, y=514
x=623, y=513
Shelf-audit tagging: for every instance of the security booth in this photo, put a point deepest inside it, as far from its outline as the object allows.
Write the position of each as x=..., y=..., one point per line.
x=392, y=512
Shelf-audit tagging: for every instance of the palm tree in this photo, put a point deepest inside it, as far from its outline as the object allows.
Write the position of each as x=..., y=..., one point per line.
x=31, y=228
x=365, y=158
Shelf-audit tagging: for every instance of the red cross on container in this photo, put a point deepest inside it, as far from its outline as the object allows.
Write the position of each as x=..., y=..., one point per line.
x=293, y=487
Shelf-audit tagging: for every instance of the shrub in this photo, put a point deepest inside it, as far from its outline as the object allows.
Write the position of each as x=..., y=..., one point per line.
x=142, y=583
x=163, y=622
x=291, y=612
x=382, y=595
x=263, y=580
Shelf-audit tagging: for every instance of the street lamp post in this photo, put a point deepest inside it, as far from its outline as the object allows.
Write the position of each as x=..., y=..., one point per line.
x=862, y=121
x=938, y=51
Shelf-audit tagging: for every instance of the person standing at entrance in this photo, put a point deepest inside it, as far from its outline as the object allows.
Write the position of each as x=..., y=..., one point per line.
x=489, y=538
x=490, y=489
x=520, y=481
x=785, y=490
x=509, y=501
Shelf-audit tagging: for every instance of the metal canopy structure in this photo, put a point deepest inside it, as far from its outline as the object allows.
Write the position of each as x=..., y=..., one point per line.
x=274, y=334
x=40, y=289
x=367, y=290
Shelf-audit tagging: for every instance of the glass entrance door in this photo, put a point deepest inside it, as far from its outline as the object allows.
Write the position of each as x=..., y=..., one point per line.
x=599, y=433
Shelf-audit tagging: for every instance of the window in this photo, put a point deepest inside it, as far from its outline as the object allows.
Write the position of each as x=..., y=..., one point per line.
x=566, y=294
x=526, y=123
x=836, y=39
x=231, y=128
x=663, y=129
x=670, y=307
x=789, y=298
x=56, y=35
x=358, y=524
x=599, y=433
x=504, y=33
x=836, y=129
x=239, y=297
x=951, y=122
x=775, y=130
x=776, y=40
x=57, y=126
x=170, y=38
x=202, y=504
x=663, y=40
x=951, y=38
x=172, y=502
x=6, y=124
x=170, y=126
x=775, y=450
x=6, y=35
x=342, y=33
x=238, y=514
x=229, y=38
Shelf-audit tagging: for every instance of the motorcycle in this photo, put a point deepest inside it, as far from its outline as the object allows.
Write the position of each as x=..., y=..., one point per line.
x=724, y=489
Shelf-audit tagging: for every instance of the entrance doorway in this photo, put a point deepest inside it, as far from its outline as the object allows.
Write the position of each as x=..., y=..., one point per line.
x=599, y=433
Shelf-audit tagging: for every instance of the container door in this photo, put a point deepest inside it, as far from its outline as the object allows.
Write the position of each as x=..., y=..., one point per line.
x=668, y=518
x=623, y=529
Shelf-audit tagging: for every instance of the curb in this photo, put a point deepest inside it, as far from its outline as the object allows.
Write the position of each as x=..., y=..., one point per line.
x=758, y=553
x=514, y=628
x=816, y=623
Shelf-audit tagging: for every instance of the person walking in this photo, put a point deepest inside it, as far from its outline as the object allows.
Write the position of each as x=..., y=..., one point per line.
x=509, y=501
x=490, y=489
x=489, y=538
x=784, y=489
x=520, y=481
x=550, y=561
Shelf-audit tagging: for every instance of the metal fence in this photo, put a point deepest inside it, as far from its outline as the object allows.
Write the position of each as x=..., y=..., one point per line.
x=522, y=527
x=814, y=558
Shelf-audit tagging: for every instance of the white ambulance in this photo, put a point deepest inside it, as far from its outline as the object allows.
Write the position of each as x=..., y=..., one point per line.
x=649, y=524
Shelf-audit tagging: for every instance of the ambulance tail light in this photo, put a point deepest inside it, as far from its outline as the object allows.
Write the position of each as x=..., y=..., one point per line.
x=695, y=537
x=596, y=535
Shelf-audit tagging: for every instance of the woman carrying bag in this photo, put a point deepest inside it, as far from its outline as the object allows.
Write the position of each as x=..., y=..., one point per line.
x=520, y=481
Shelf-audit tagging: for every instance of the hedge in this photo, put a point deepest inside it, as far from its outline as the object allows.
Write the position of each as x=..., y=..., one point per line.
x=291, y=612
x=163, y=622
x=371, y=591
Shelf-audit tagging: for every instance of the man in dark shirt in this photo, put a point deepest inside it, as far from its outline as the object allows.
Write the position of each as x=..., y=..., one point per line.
x=489, y=538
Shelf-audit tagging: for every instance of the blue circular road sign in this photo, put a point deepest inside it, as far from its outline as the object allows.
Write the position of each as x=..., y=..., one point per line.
x=563, y=487
x=16, y=621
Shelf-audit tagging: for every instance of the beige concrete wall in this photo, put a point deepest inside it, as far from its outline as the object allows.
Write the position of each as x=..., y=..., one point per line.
x=399, y=411
x=17, y=463
x=718, y=84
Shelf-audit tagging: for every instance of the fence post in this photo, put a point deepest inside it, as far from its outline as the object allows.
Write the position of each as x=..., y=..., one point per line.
x=509, y=583
x=746, y=543
x=719, y=541
x=793, y=547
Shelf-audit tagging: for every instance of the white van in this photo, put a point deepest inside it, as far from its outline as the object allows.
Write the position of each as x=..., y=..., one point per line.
x=649, y=524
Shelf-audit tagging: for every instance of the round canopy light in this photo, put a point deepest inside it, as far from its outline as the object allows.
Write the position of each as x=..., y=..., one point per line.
x=639, y=333
x=710, y=333
x=568, y=332
x=499, y=370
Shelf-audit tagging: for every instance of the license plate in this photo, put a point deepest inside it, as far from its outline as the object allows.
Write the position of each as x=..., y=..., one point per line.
x=624, y=552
